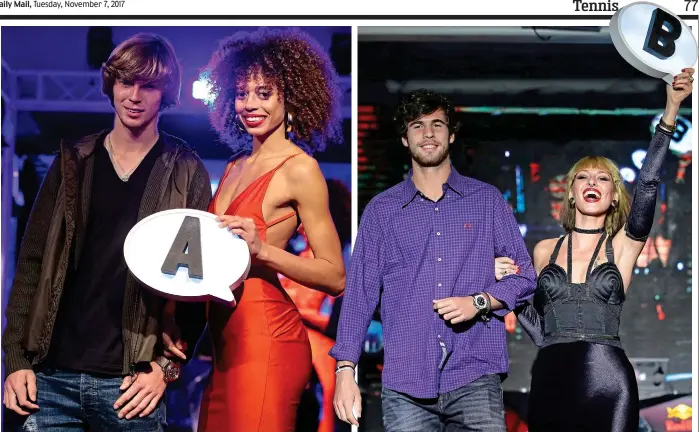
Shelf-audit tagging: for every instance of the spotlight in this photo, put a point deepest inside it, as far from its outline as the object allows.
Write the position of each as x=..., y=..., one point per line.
x=627, y=174
x=680, y=266
x=638, y=157
x=523, y=230
x=201, y=90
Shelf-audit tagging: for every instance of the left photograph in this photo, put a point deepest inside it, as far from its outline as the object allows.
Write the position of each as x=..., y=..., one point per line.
x=176, y=226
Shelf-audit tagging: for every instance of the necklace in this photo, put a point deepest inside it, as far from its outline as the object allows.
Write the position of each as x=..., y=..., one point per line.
x=117, y=166
x=588, y=231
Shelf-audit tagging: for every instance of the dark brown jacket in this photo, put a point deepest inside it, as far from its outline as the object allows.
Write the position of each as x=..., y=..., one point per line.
x=56, y=229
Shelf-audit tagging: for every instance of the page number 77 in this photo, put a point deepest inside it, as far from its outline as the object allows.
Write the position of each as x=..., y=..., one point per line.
x=694, y=5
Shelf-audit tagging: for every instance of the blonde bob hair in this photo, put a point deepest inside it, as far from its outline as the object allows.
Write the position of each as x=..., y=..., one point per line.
x=617, y=212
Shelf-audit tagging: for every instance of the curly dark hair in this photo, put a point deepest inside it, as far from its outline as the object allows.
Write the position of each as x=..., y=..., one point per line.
x=422, y=102
x=296, y=66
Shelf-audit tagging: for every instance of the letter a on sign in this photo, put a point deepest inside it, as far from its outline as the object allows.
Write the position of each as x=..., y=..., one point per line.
x=663, y=31
x=186, y=250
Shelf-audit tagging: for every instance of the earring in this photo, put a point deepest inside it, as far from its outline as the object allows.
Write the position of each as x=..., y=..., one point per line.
x=239, y=123
x=615, y=204
x=571, y=201
x=289, y=121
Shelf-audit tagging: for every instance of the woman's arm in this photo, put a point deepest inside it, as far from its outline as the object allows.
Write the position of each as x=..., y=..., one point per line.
x=629, y=244
x=326, y=271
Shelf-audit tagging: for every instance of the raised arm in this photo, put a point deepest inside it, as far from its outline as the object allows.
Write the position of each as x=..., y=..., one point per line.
x=628, y=245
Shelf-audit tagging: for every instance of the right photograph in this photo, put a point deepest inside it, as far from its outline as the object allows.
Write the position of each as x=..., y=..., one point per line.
x=524, y=235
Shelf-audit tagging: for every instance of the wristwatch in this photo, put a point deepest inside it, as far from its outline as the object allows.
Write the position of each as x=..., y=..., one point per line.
x=482, y=303
x=171, y=370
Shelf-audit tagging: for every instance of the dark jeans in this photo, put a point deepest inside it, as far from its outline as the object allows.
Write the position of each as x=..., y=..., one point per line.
x=477, y=406
x=72, y=401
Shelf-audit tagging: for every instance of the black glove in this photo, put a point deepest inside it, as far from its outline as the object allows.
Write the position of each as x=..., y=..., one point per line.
x=640, y=219
x=531, y=322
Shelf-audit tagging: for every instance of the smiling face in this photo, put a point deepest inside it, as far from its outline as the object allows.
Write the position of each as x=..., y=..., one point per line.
x=136, y=103
x=428, y=139
x=259, y=106
x=593, y=191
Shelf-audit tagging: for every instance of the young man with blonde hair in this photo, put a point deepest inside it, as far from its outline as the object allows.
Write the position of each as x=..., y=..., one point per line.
x=82, y=343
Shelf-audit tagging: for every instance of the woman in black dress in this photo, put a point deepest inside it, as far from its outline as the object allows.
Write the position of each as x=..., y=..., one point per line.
x=581, y=378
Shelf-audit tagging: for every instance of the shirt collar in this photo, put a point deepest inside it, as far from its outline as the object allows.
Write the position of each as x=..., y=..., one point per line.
x=455, y=182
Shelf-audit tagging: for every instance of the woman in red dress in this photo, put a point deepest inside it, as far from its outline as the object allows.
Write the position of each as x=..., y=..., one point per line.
x=276, y=100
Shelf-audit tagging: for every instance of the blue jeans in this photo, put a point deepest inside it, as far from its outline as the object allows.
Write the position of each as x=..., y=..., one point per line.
x=477, y=406
x=72, y=401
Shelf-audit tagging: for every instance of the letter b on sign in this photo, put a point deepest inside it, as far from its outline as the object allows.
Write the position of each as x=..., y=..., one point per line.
x=653, y=40
x=663, y=31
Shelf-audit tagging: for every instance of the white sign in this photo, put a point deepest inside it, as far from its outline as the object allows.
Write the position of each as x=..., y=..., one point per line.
x=653, y=40
x=185, y=255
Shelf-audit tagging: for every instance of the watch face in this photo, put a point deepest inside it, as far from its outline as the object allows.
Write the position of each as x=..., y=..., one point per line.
x=480, y=302
x=172, y=372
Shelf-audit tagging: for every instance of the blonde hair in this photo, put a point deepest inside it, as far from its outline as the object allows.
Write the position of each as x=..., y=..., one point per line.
x=144, y=57
x=616, y=214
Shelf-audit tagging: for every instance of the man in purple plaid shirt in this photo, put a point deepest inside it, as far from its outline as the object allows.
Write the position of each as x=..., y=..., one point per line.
x=425, y=248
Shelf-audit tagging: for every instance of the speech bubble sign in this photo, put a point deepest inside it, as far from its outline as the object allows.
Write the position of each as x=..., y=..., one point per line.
x=653, y=40
x=183, y=254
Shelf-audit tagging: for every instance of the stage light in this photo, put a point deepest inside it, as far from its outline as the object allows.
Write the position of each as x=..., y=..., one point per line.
x=507, y=153
x=638, y=157
x=523, y=229
x=637, y=271
x=646, y=271
x=680, y=266
x=201, y=89
x=627, y=174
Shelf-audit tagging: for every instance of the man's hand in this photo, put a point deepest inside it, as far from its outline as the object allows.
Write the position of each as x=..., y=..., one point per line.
x=20, y=391
x=143, y=394
x=172, y=333
x=455, y=309
x=347, y=400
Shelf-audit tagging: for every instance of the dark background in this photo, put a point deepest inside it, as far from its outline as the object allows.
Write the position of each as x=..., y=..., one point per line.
x=533, y=102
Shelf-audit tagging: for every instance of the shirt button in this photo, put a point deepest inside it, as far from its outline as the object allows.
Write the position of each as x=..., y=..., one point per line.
x=436, y=209
x=439, y=284
x=439, y=259
x=438, y=233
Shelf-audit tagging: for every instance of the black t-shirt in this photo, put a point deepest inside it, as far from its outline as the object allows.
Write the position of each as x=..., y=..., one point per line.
x=87, y=336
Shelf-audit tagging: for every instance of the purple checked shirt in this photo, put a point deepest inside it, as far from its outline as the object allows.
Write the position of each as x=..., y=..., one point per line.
x=411, y=250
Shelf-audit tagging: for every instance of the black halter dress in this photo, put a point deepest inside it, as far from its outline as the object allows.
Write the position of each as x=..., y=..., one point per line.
x=581, y=378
